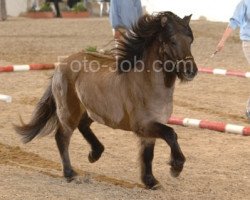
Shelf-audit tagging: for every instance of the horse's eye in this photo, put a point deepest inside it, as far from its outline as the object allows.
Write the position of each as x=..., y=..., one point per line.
x=173, y=42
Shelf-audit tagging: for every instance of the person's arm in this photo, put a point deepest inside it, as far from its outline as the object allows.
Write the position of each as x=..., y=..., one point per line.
x=235, y=22
x=224, y=38
x=139, y=7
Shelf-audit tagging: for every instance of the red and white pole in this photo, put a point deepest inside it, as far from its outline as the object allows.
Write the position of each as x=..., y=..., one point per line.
x=215, y=126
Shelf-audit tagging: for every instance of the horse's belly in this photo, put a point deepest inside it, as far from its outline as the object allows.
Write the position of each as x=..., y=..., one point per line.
x=116, y=120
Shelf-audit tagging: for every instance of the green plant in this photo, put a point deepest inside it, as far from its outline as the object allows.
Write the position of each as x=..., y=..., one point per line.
x=79, y=7
x=45, y=7
x=91, y=49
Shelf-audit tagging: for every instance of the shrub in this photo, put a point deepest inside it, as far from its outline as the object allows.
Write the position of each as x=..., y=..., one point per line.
x=45, y=7
x=79, y=7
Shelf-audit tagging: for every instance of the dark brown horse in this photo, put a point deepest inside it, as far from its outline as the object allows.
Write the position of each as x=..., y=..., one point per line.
x=132, y=90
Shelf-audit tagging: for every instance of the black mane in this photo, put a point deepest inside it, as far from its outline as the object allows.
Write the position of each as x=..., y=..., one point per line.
x=143, y=33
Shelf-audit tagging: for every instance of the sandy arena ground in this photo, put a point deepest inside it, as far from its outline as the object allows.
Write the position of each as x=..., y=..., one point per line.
x=218, y=164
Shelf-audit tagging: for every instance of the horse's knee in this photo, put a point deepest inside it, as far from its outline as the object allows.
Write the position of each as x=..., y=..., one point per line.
x=147, y=150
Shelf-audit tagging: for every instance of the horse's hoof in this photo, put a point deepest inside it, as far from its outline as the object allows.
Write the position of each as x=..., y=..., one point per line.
x=150, y=182
x=175, y=173
x=158, y=186
x=95, y=154
x=176, y=167
x=69, y=175
x=69, y=179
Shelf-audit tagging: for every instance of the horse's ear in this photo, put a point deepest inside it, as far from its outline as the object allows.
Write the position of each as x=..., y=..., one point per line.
x=164, y=21
x=187, y=18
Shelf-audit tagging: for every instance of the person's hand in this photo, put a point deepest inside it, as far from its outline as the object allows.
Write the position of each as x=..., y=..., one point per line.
x=117, y=35
x=220, y=45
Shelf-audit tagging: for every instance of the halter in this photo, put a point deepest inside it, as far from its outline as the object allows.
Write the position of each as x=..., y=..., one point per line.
x=184, y=59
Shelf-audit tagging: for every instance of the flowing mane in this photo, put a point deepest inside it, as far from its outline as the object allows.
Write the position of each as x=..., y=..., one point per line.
x=144, y=33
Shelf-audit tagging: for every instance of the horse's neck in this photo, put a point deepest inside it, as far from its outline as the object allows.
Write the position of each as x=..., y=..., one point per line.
x=158, y=82
x=150, y=83
x=154, y=64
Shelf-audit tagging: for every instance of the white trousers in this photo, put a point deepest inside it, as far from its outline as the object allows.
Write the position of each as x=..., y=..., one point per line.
x=246, y=50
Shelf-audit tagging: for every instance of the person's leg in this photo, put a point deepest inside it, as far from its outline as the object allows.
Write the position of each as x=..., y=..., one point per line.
x=56, y=3
x=107, y=7
x=37, y=4
x=246, y=50
x=3, y=13
x=248, y=109
x=1, y=10
x=85, y=2
x=101, y=4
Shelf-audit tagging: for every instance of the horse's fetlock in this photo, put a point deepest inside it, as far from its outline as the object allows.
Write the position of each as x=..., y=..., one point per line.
x=69, y=174
x=150, y=181
x=95, y=154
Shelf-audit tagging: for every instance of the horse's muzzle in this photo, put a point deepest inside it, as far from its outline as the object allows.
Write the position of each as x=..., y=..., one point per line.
x=186, y=69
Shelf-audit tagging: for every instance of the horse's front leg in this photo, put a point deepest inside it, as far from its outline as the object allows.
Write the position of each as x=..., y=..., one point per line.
x=146, y=158
x=158, y=130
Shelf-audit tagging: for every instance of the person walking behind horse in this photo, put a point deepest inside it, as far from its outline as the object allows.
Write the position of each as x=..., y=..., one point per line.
x=101, y=3
x=123, y=14
x=3, y=13
x=240, y=19
x=56, y=7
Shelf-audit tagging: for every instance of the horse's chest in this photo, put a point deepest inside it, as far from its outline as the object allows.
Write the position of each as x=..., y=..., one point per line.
x=161, y=105
x=161, y=110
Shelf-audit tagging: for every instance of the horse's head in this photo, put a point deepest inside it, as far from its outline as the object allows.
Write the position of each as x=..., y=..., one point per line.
x=163, y=39
x=175, y=40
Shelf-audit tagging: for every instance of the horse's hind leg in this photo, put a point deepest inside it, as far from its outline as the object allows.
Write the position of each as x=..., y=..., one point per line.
x=146, y=158
x=97, y=147
x=63, y=140
x=69, y=112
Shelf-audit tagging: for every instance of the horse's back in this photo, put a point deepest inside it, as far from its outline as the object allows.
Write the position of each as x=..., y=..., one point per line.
x=85, y=62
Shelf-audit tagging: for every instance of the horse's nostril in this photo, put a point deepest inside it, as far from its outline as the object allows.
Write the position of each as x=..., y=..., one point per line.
x=189, y=72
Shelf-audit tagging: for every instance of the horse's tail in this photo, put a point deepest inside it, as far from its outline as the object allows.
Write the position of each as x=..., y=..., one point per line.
x=44, y=119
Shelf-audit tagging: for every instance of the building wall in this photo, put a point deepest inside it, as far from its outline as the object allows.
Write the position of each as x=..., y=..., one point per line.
x=220, y=10
x=15, y=7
